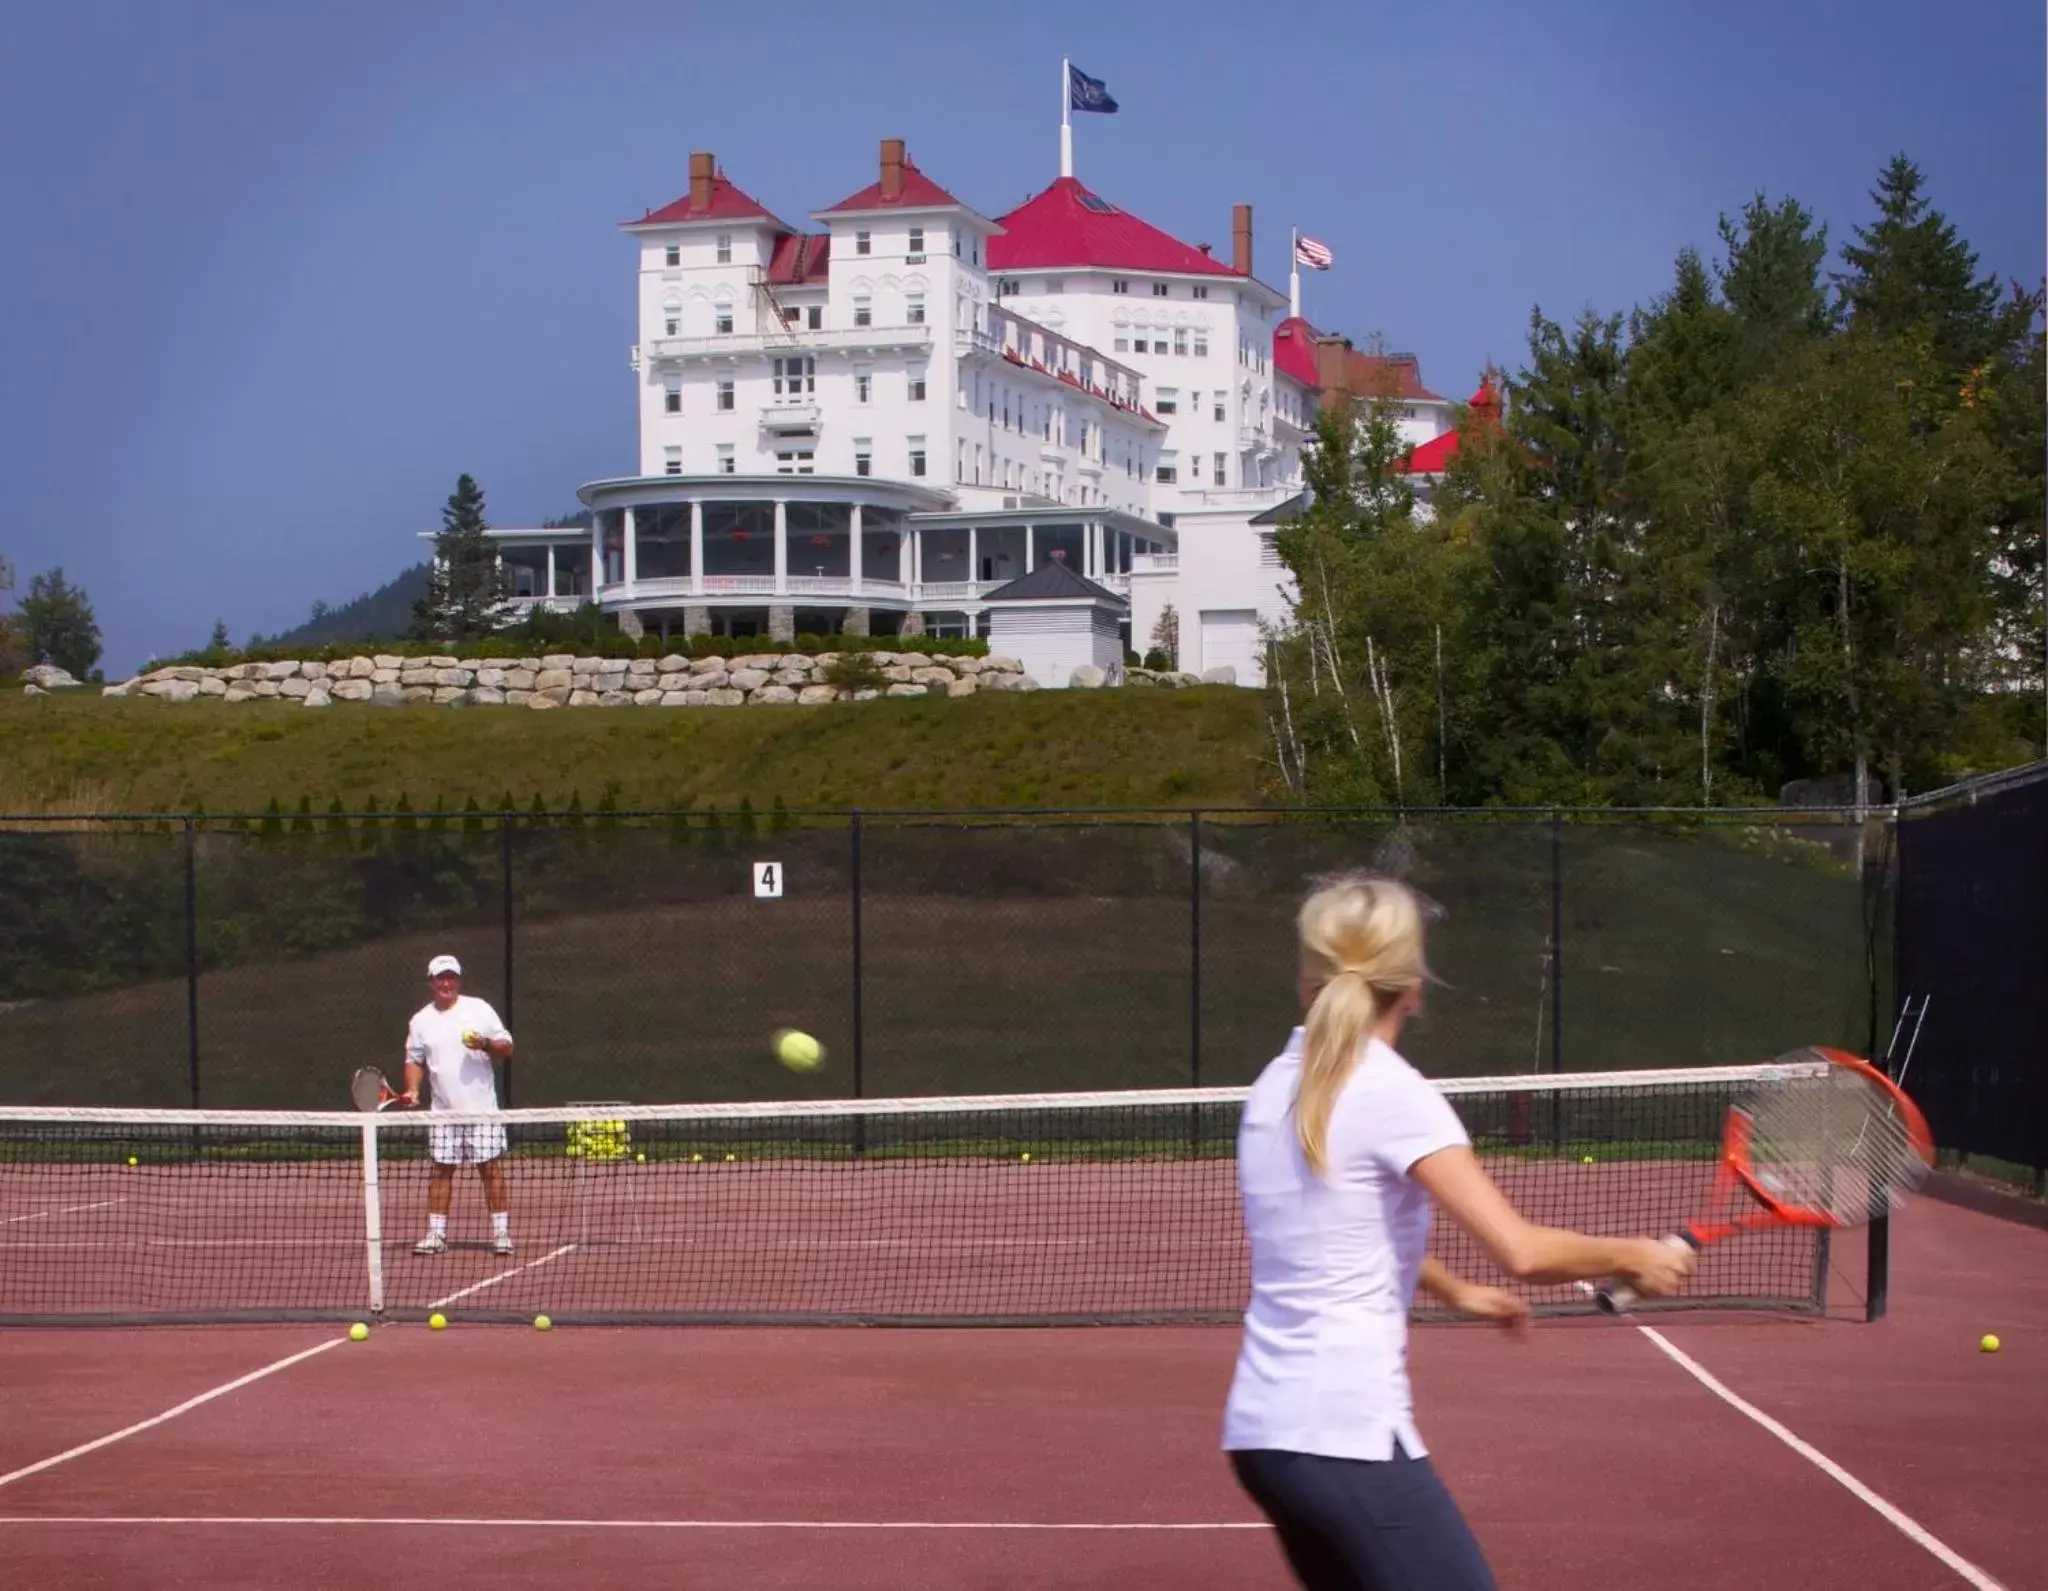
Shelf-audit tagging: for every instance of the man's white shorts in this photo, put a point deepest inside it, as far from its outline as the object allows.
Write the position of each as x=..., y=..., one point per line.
x=465, y=1143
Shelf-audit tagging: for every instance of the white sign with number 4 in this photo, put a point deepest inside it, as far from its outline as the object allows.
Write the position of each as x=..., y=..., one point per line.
x=767, y=881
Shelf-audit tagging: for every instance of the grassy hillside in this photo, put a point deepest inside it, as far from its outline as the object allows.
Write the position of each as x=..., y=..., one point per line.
x=80, y=752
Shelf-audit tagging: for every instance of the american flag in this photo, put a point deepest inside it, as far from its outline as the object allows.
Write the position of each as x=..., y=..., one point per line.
x=1309, y=252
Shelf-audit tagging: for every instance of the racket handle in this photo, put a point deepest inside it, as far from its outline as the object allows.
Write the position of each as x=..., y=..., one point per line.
x=1620, y=1298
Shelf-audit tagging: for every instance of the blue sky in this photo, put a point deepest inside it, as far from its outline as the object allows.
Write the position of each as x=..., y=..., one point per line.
x=273, y=275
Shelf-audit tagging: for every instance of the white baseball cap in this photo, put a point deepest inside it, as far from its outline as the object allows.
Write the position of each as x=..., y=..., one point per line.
x=441, y=964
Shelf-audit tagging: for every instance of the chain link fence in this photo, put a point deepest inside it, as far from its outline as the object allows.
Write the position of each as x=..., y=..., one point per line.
x=255, y=962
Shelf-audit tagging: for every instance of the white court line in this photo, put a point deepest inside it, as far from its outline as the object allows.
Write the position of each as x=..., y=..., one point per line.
x=170, y=1414
x=69, y=1209
x=1907, y=1526
x=503, y=1276
x=621, y=1524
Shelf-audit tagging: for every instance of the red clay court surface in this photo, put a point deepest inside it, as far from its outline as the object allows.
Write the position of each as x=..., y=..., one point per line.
x=883, y=1458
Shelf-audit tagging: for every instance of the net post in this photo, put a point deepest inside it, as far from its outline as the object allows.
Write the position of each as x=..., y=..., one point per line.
x=192, y=968
x=1194, y=950
x=859, y=1057
x=505, y=991
x=373, y=1217
x=1878, y=1243
x=1556, y=963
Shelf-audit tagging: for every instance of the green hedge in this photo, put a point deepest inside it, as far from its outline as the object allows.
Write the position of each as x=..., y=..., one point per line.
x=613, y=645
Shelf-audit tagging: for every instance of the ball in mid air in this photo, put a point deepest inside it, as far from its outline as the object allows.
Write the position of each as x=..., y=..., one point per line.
x=1988, y=1343
x=799, y=1051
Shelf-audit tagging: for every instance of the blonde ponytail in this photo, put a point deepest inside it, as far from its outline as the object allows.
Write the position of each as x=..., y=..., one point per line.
x=1361, y=947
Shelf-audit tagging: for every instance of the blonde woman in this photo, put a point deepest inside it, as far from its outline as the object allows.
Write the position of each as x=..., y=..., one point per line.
x=1342, y=1149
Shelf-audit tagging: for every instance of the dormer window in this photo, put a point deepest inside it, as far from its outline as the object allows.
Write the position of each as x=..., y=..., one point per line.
x=725, y=248
x=672, y=255
x=863, y=243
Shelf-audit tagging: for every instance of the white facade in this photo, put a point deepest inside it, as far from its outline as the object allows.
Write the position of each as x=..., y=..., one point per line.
x=873, y=424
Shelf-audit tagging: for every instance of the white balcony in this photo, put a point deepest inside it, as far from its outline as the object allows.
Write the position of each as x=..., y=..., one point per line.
x=790, y=418
x=845, y=339
x=1153, y=563
x=723, y=589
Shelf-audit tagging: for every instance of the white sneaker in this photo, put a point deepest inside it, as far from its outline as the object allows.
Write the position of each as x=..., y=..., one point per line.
x=432, y=1243
x=502, y=1243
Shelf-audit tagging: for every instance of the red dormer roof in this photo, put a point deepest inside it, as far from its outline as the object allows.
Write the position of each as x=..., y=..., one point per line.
x=1067, y=225
x=1434, y=456
x=919, y=193
x=1294, y=352
x=728, y=203
x=800, y=259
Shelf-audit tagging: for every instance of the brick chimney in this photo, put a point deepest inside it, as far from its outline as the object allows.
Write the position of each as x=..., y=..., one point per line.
x=892, y=168
x=1241, y=239
x=701, y=168
x=1333, y=370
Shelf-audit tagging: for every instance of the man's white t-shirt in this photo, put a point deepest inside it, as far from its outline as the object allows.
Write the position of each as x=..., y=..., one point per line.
x=463, y=1079
x=1323, y=1367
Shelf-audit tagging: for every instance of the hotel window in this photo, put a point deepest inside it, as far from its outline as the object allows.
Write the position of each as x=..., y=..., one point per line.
x=1122, y=344
x=725, y=248
x=863, y=455
x=672, y=401
x=1219, y=405
x=863, y=310
x=796, y=461
x=814, y=317
x=725, y=397
x=722, y=319
x=1201, y=292
x=956, y=245
x=862, y=244
x=1119, y=285
x=1137, y=345
x=1220, y=481
x=795, y=378
x=725, y=458
x=1159, y=290
x=671, y=461
x=672, y=255
x=863, y=383
x=1166, y=474
x=1169, y=400
x=917, y=240
x=1201, y=343
x=917, y=385
x=913, y=308
x=916, y=455
x=1180, y=343
x=671, y=323
x=1008, y=287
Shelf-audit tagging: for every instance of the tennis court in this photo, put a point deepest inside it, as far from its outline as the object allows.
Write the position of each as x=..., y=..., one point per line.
x=760, y=1454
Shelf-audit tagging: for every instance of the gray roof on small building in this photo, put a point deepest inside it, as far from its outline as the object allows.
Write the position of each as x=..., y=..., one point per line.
x=1052, y=581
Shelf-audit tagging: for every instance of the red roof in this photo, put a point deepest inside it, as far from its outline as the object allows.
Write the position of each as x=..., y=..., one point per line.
x=1387, y=376
x=919, y=193
x=800, y=259
x=728, y=203
x=1294, y=352
x=1069, y=226
x=1434, y=456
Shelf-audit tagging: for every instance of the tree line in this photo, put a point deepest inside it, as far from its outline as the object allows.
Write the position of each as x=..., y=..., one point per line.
x=1783, y=522
x=52, y=623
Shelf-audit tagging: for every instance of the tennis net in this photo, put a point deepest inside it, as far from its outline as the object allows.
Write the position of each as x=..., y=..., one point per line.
x=1049, y=1209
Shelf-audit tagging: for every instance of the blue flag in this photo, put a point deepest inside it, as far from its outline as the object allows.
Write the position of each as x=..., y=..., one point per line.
x=1088, y=93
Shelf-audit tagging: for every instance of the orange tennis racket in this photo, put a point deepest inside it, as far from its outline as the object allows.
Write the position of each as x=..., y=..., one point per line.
x=369, y=1091
x=1833, y=1144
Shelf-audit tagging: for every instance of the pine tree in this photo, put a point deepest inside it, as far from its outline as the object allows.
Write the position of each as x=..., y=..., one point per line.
x=57, y=621
x=1910, y=273
x=466, y=585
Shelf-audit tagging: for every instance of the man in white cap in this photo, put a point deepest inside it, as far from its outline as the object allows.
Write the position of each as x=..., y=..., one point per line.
x=455, y=1039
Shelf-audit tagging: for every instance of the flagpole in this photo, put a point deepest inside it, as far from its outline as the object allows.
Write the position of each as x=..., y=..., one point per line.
x=1294, y=273
x=1066, y=123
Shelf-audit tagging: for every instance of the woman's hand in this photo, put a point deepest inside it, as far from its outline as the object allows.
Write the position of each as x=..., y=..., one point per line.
x=1493, y=1303
x=1656, y=1266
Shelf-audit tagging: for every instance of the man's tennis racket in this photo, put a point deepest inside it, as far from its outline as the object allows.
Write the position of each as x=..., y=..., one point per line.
x=1834, y=1145
x=370, y=1092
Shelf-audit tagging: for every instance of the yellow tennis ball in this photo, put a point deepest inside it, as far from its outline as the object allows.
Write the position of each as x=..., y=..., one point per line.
x=437, y=1321
x=358, y=1332
x=1586, y=1161
x=696, y=1159
x=798, y=1051
x=1989, y=1343
x=1025, y=1156
x=542, y=1323
x=131, y=1160
x=640, y=1160
x=732, y=1157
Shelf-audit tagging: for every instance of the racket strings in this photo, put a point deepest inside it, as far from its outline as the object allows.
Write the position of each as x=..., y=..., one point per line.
x=1835, y=1145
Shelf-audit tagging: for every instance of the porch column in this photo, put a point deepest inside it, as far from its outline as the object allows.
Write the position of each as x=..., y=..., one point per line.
x=596, y=553
x=853, y=552
x=903, y=535
x=973, y=554
x=781, y=547
x=550, y=592
x=1030, y=548
x=696, y=548
x=632, y=570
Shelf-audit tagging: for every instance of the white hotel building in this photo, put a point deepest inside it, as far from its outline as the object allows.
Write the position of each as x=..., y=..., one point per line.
x=878, y=425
